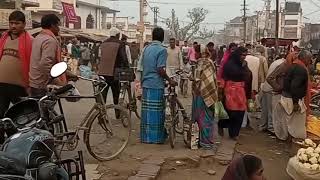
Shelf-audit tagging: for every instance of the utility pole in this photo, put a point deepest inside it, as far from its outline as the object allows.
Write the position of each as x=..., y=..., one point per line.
x=141, y=24
x=267, y=24
x=244, y=19
x=173, y=20
x=258, y=29
x=277, y=26
x=18, y=4
x=155, y=16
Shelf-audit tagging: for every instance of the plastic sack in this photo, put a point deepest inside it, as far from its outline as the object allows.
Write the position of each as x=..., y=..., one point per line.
x=85, y=71
x=219, y=111
x=72, y=65
x=296, y=172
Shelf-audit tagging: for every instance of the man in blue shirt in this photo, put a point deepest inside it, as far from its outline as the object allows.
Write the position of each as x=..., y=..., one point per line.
x=153, y=78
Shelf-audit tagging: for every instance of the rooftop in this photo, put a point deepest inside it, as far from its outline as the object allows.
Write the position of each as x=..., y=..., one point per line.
x=293, y=7
x=103, y=8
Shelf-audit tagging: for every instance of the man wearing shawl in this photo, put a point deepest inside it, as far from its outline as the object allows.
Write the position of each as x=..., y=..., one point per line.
x=205, y=95
x=15, y=49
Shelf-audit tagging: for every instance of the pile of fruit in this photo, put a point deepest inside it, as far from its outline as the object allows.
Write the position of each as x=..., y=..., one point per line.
x=309, y=157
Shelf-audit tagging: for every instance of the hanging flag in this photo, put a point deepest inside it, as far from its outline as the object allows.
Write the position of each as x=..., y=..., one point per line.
x=69, y=12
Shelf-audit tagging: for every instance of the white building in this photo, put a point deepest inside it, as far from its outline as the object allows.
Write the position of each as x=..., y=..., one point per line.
x=10, y=4
x=90, y=14
x=129, y=29
x=292, y=21
x=46, y=7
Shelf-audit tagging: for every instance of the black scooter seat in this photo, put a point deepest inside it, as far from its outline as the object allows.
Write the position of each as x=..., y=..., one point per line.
x=9, y=165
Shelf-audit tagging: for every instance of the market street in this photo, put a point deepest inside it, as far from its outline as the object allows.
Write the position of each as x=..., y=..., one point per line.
x=273, y=153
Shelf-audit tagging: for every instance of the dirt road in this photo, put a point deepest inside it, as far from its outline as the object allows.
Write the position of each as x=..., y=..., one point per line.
x=128, y=163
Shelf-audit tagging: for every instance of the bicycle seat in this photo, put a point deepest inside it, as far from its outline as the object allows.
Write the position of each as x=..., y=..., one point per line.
x=10, y=165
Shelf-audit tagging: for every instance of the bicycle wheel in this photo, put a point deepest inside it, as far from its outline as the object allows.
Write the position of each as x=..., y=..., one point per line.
x=106, y=136
x=172, y=128
x=181, y=117
x=135, y=103
x=124, y=104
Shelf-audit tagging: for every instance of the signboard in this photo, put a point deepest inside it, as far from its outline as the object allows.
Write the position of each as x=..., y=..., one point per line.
x=69, y=12
x=4, y=18
x=56, y=4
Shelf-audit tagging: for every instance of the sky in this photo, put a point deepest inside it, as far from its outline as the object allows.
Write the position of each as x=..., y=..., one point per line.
x=220, y=11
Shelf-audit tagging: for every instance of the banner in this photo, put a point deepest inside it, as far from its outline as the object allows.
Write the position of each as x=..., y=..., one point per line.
x=69, y=12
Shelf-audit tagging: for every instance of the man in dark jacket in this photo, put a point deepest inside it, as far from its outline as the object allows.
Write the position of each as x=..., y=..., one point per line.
x=113, y=55
x=296, y=81
x=292, y=109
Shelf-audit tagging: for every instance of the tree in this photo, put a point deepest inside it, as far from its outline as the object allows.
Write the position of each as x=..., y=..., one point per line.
x=193, y=28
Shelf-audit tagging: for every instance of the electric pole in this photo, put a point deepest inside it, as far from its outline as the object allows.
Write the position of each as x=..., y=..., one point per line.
x=267, y=24
x=18, y=4
x=277, y=26
x=141, y=24
x=244, y=19
x=155, y=16
x=173, y=20
x=258, y=29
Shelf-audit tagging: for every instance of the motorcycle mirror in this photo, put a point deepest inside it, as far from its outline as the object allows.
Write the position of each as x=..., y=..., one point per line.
x=58, y=69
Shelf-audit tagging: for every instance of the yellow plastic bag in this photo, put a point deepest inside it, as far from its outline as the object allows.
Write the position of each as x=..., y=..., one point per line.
x=313, y=126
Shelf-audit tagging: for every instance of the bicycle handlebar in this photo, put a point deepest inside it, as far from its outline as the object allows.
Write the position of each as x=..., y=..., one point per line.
x=63, y=89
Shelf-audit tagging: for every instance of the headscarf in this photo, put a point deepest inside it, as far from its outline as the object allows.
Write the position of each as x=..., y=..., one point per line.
x=242, y=168
x=234, y=69
x=225, y=59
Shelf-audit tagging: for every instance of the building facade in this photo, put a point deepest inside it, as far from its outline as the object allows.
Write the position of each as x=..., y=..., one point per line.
x=292, y=21
x=90, y=14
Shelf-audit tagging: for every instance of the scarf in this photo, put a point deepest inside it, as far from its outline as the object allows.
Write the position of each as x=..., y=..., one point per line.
x=25, y=48
x=236, y=171
x=206, y=81
x=307, y=99
x=63, y=77
x=224, y=61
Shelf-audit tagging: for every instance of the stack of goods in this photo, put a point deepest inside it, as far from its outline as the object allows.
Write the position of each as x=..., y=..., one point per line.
x=306, y=164
x=313, y=127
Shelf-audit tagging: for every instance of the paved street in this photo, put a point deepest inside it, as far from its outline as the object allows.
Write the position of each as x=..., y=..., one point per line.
x=180, y=163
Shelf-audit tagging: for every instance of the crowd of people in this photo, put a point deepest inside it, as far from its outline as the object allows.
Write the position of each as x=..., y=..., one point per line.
x=235, y=75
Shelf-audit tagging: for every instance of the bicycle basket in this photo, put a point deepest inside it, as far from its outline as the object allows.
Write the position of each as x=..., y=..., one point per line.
x=124, y=74
x=24, y=112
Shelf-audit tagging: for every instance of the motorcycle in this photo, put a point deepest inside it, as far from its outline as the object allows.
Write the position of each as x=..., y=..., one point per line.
x=29, y=149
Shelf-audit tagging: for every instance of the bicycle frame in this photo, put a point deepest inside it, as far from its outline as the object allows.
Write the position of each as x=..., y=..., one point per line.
x=100, y=106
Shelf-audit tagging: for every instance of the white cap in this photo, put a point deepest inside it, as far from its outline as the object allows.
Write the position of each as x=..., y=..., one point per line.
x=114, y=31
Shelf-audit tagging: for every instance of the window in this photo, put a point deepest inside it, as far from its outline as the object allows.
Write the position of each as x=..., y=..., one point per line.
x=109, y=25
x=291, y=22
x=90, y=22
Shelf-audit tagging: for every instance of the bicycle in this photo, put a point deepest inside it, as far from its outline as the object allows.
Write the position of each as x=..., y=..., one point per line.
x=127, y=98
x=173, y=109
x=315, y=103
x=98, y=117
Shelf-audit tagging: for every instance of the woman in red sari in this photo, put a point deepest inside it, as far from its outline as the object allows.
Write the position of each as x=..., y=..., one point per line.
x=237, y=89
